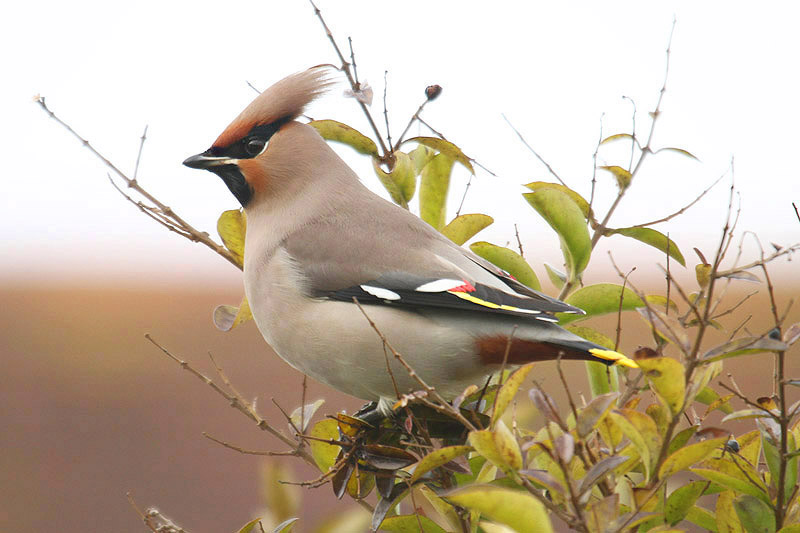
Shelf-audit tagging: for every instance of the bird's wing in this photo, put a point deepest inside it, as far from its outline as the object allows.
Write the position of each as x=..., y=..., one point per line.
x=408, y=263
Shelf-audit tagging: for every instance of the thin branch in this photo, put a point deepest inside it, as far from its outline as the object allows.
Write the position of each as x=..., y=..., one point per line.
x=529, y=147
x=633, y=131
x=354, y=85
x=519, y=241
x=464, y=196
x=619, y=311
x=443, y=406
x=353, y=60
x=385, y=107
x=189, y=232
x=414, y=118
x=682, y=209
x=139, y=154
x=248, y=452
x=237, y=403
x=796, y=212
x=594, y=165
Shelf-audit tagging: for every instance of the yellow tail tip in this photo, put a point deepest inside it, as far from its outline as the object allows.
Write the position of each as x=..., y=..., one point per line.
x=611, y=355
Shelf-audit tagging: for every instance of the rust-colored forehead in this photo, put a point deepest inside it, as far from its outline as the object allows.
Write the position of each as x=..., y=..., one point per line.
x=283, y=101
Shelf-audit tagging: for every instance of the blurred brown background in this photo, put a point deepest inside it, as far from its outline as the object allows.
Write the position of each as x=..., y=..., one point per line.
x=90, y=410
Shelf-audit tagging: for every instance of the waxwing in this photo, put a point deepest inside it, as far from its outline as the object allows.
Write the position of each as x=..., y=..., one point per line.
x=317, y=239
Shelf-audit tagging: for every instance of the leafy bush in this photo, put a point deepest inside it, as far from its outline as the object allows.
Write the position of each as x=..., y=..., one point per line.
x=634, y=456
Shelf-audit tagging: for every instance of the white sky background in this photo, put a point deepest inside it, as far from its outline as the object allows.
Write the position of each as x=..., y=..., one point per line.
x=554, y=68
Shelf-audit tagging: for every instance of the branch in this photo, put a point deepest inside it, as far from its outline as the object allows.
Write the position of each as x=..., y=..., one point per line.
x=521, y=138
x=682, y=209
x=163, y=211
x=354, y=85
x=237, y=403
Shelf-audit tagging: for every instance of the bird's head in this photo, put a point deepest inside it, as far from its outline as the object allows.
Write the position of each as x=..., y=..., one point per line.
x=258, y=144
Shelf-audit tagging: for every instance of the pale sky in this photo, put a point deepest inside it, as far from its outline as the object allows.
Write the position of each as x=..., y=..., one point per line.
x=555, y=69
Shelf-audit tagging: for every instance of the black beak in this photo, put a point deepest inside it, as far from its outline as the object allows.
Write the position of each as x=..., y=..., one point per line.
x=205, y=161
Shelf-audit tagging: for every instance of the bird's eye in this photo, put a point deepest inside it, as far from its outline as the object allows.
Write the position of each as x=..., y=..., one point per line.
x=254, y=146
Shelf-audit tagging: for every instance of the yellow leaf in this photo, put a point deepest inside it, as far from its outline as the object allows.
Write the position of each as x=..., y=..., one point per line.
x=232, y=226
x=516, y=509
x=332, y=130
x=623, y=176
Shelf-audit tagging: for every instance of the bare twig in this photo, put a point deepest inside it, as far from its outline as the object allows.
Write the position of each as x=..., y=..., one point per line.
x=619, y=311
x=464, y=196
x=594, y=166
x=385, y=107
x=139, y=154
x=237, y=403
x=353, y=61
x=682, y=209
x=534, y=152
x=633, y=130
x=248, y=452
x=186, y=230
x=796, y=212
x=414, y=118
x=519, y=241
x=354, y=85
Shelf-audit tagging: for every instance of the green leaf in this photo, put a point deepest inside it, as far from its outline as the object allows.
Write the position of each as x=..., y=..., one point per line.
x=682, y=499
x=755, y=515
x=401, y=182
x=445, y=147
x=232, y=226
x=515, y=509
x=677, y=150
x=304, y=414
x=324, y=454
x=420, y=156
x=579, y=200
x=739, y=477
x=332, y=130
x=702, y=517
x=227, y=317
x=641, y=430
x=442, y=507
x=284, y=527
x=773, y=460
x=437, y=458
x=509, y=389
x=794, y=528
x=602, y=378
x=499, y=447
x=623, y=176
x=711, y=398
x=249, y=527
x=667, y=327
x=666, y=377
x=654, y=238
x=690, y=455
x=565, y=216
x=508, y=260
x=600, y=299
x=464, y=227
x=557, y=278
x=727, y=520
x=660, y=302
x=744, y=346
x=433, y=186
x=410, y=523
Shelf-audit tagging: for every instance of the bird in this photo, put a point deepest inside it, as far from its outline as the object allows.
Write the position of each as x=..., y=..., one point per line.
x=328, y=264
